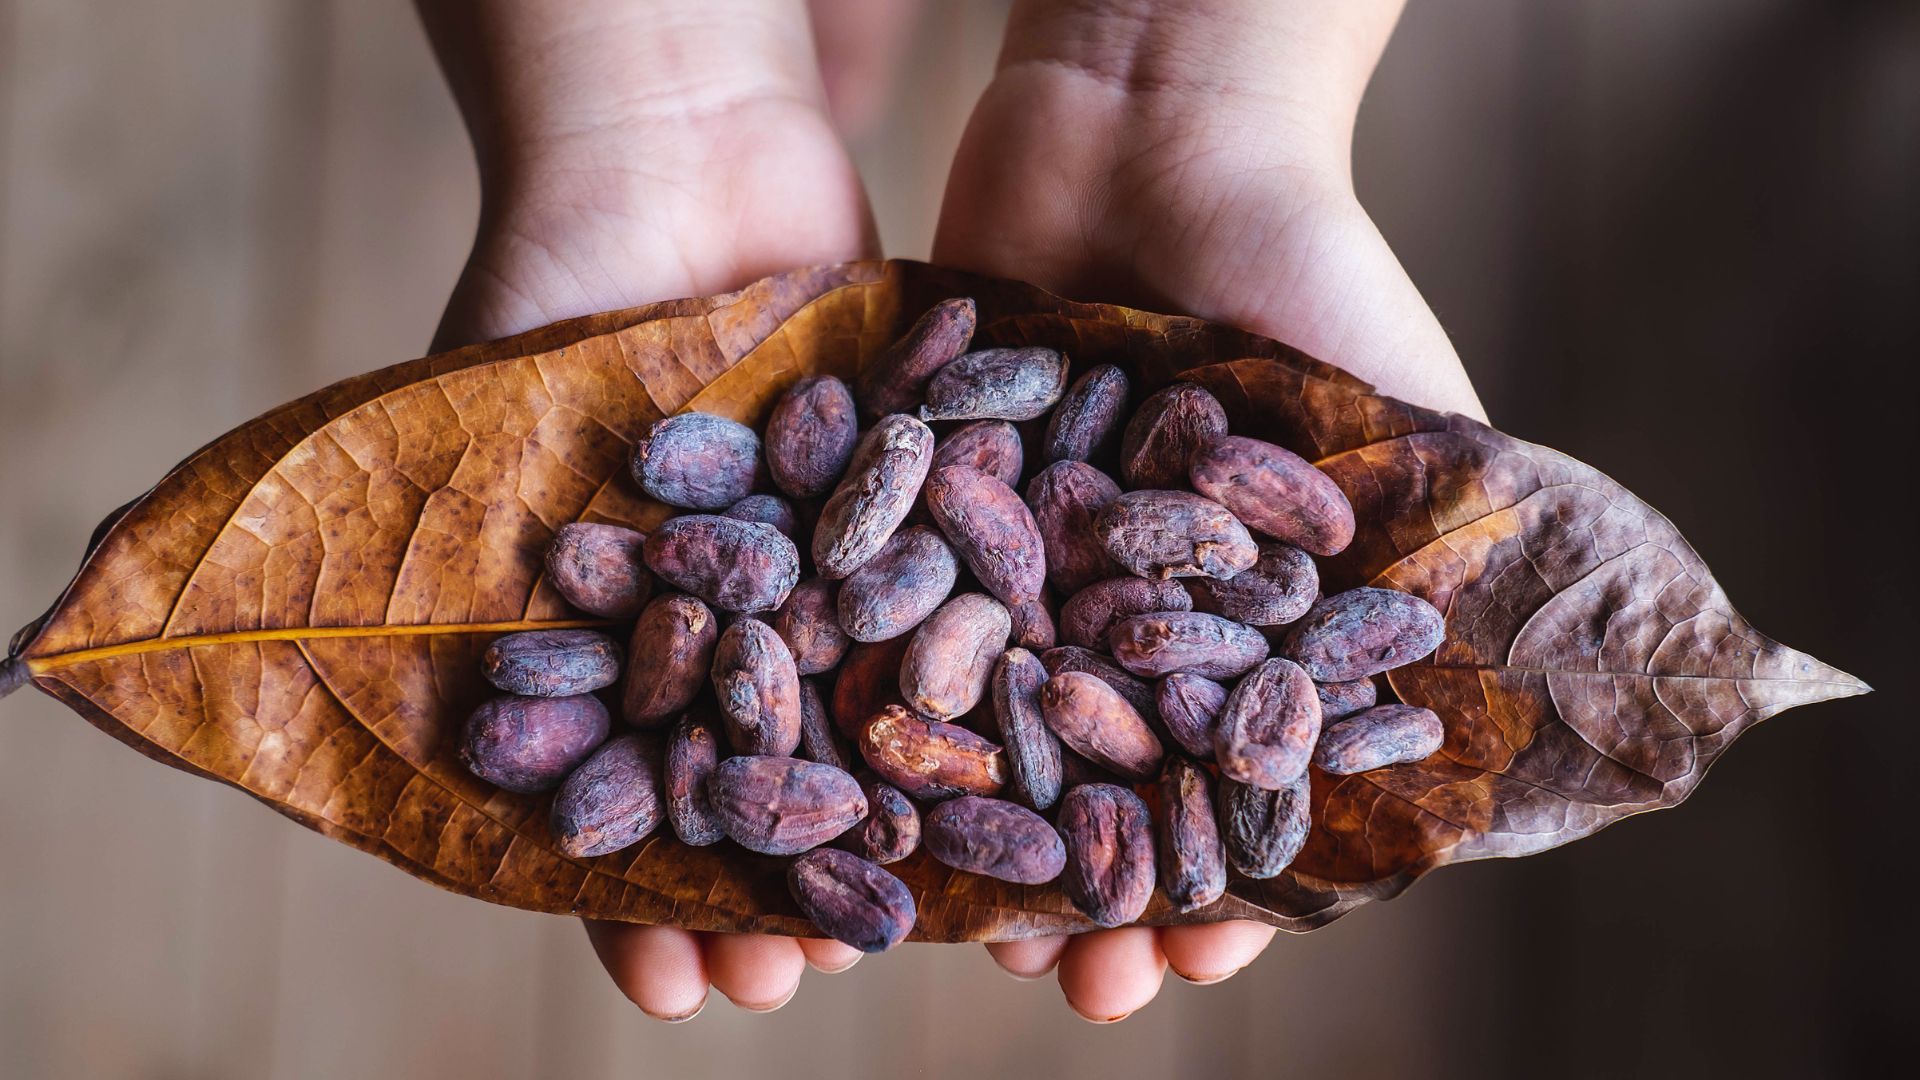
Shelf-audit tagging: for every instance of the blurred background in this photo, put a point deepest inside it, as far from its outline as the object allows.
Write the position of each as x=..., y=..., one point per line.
x=1679, y=241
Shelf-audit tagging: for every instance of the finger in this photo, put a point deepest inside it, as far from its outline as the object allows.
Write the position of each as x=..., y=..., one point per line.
x=1109, y=974
x=831, y=957
x=860, y=43
x=755, y=972
x=659, y=968
x=1209, y=954
x=1029, y=959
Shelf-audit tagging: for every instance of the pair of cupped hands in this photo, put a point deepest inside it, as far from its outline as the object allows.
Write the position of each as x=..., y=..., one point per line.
x=1188, y=158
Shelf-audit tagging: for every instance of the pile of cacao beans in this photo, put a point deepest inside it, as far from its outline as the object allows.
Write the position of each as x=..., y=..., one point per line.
x=897, y=647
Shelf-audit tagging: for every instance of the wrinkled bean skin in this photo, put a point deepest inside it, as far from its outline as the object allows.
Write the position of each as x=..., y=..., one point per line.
x=1363, y=632
x=809, y=622
x=1339, y=700
x=1066, y=498
x=526, y=744
x=881, y=484
x=1190, y=711
x=896, y=590
x=1379, y=737
x=1268, y=726
x=758, y=688
x=1193, y=863
x=552, y=663
x=1275, y=491
x=1263, y=831
x=1086, y=424
x=1110, y=861
x=811, y=435
x=1164, y=642
x=693, y=752
x=668, y=659
x=741, y=566
x=991, y=530
x=929, y=759
x=783, y=805
x=818, y=741
x=1097, y=723
x=890, y=831
x=697, y=461
x=1138, y=692
x=612, y=801
x=852, y=900
x=869, y=680
x=992, y=446
x=1033, y=624
x=896, y=380
x=950, y=659
x=1164, y=434
x=1033, y=751
x=997, y=384
x=1168, y=534
x=996, y=838
x=1274, y=591
x=600, y=569
x=767, y=510
x=1089, y=616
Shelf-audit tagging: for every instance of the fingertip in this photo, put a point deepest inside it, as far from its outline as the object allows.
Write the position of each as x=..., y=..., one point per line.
x=827, y=956
x=1212, y=953
x=755, y=972
x=659, y=968
x=1030, y=959
x=1110, y=974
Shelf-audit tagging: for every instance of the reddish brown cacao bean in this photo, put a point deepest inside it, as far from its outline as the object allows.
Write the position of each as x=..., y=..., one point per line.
x=1110, y=861
x=1268, y=726
x=1379, y=737
x=880, y=486
x=1263, y=831
x=996, y=838
x=527, y=744
x=991, y=530
x=1086, y=425
x=668, y=659
x=1275, y=491
x=1193, y=864
x=896, y=380
x=552, y=663
x=997, y=384
x=868, y=681
x=733, y=565
x=1066, y=499
x=1164, y=642
x=1339, y=700
x=1190, y=710
x=1167, y=534
x=852, y=900
x=1090, y=615
x=896, y=590
x=992, y=446
x=929, y=759
x=758, y=688
x=810, y=436
x=693, y=752
x=1363, y=632
x=1033, y=623
x=1097, y=723
x=1138, y=692
x=1277, y=589
x=767, y=510
x=950, y=659
x=697, y=460
x=818, y=741
x=1033, y=751
x=1164, y=433
x=600, y=569
x=809, y=622
x=783, y=805
x=613, y=800
x=890, y=831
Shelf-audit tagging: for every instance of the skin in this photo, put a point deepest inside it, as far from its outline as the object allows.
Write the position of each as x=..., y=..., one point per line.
x=1193, y=158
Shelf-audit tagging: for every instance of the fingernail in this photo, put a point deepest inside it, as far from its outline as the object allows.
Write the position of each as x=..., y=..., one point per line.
x=768, y=1008
x=1105, y=1020
x=841, y=968
x=683, y=1017
x=1023, y=976
x=1207, y=980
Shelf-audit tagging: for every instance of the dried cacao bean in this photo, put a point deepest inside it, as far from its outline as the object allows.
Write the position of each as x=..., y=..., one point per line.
x=950, y=660
x=810, y=436
x=868, y=681
x=818, y=741
x=1380, y=736
x=698, y=461
x=1166, y=534
x=1086, y=424
x=1268, y=726
x=1363, y=632
x=896, y=590
x=991, y=530
x=997, y=384
x=880, y=486
x=1088, y=618
x=552, y=663
x=1193, y=864
x=1097, y=723
x=1275, y=491
x=767, y=510
x=996, y=838
x=1138, y=692
x=759, y=690
x=992, y=446
x=733, y=565
x=611, y=801
x=668, y=659
x=693, y=752
x=782, y=805
x=890, y=831
x=809, y=622
x=1164, y=433
x=1109, y=842
x=1033, y=751
x=1033, y=624
x=1066, y=499
x=1263, y=831
x=1190, y=710
x=929, y=759
x=1164, y=642
x=1277, y=589
x=600, y=569
x=851, y=900
x=896, y=380
x=1339, y=700
x=528, y=744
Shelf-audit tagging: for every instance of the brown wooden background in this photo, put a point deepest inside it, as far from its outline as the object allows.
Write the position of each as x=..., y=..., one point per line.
x=1680, y=240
